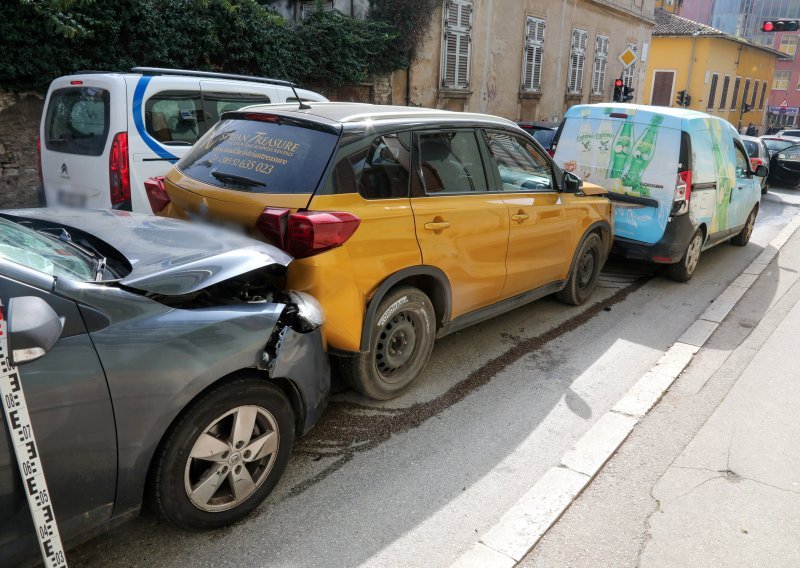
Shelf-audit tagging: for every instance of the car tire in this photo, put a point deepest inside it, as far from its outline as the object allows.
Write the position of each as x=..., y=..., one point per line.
x=743, y=237
x=683, y=270
x=585, y=272
x=203, y=456
x=403, y=333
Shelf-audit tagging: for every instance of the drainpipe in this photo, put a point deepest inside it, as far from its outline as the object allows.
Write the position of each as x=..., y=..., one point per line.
x=691, y=60
x=408, y=85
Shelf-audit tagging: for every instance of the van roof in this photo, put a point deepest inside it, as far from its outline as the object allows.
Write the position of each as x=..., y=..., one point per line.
x=678, y=118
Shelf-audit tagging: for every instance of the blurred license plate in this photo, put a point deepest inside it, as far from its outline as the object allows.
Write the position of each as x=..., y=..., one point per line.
x=216, y=223
x=70, y=199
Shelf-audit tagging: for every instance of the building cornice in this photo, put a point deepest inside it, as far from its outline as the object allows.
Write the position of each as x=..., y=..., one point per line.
x=610, y=5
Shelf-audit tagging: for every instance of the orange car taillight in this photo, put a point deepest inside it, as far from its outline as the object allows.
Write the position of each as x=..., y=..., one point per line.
x=306, y=233
x=119, y=172
x=156, y=193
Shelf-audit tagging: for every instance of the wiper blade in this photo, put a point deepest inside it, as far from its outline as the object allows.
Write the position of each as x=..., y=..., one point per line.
x=87, y=249
x=241, y=180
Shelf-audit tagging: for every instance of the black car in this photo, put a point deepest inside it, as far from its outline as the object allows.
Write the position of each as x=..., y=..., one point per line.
x=784, y=163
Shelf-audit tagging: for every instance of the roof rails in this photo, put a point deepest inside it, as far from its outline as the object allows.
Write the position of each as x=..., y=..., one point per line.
x=209, y=75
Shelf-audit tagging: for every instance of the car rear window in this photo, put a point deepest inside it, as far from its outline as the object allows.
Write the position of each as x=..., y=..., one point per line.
x=544, y=137
x=791, y=132
x=752, y=148
x=776, y=145
x=77, y=121
x=268, y=155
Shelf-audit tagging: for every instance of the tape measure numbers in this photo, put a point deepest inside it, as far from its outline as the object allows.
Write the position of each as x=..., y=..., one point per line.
x=30, y=464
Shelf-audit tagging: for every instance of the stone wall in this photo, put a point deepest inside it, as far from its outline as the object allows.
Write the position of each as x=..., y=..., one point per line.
x=19, y=128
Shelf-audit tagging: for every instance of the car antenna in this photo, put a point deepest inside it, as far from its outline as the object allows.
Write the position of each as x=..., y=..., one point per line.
x=303, y=106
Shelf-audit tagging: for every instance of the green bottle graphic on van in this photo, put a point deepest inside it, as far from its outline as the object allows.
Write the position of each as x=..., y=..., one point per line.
x=641, y=156
x=621, y=151
x=603, y=139
x=725, y=176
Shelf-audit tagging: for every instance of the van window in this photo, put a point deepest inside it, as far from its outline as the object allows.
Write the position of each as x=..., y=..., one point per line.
x=175, y=118
x=703, y=163
x=451, y=162
x=214, y=104
x=522, y=167
x=77, y=121
x=742, y=165
x=269, y=155
x=380, y=171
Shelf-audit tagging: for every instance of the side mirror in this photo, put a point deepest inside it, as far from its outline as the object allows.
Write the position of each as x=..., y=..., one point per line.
x=33, y=328
x=762, y=171
x=572, y=183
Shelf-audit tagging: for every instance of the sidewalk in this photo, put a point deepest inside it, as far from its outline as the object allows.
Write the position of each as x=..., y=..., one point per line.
x=711, y=477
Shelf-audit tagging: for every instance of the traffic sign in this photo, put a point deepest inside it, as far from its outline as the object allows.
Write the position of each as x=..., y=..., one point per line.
x=784, y=104
x=628, y=57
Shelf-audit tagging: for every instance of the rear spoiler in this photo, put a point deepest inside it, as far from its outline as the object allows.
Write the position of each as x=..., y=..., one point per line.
x=632, y=199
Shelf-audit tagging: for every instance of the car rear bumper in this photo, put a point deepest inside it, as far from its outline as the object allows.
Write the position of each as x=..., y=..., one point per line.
x=668, y=250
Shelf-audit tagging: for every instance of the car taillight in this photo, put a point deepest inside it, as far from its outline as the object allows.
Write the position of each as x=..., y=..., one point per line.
x=156, y=193
x=551, y=153
x=306, y=233
x=755, y=162
x=39, y=152
x=683, y=192
x=119, y=173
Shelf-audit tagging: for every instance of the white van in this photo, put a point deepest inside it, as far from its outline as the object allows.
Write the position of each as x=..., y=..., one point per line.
x=681, y=180
x=103, y=134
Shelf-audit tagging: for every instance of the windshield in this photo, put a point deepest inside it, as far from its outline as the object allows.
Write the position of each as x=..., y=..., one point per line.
x=43, y=253
x=776, y=145
x=752, y=148
x=269, y=155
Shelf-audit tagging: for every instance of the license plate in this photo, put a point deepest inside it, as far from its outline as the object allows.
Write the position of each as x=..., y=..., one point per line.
x=216, y=223
x=69, y=199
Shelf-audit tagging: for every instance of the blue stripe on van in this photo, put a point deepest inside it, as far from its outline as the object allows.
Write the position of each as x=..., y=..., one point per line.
x=138, y=120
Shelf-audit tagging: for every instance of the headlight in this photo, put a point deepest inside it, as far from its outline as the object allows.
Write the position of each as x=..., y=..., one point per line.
x=309, y=310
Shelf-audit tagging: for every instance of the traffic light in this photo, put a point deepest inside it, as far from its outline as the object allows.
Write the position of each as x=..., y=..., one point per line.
x=618, y=91
x=687, y=100
x=680, y=100
x=780, y=26
x=626, y=93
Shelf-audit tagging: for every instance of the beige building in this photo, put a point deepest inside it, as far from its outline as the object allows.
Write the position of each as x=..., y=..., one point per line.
x=527, y=59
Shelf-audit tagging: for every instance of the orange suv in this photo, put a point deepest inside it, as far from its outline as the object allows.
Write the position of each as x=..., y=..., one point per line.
x=406, y=224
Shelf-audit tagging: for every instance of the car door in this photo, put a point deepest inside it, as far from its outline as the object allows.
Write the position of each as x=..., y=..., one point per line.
x=784, y=167
x=461, y=225
x=542, y=231
x=73, y=422
x=746, y=190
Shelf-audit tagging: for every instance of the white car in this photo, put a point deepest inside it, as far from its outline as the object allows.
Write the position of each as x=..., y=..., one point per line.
x=103, y=134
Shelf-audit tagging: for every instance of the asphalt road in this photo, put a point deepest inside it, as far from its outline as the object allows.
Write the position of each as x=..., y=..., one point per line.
x=415, y=482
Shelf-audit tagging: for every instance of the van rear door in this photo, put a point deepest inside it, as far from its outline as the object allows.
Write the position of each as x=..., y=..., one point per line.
x=82, y=114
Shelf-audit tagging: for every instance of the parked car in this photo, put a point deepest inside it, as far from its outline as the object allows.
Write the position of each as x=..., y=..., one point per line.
x=178, y=369
x=784, y=165
x=543, y=132
x=789, y=133
x=681, y=180
x=775, y=143
x=103, y=134
x=406, y=224
x=759, y=156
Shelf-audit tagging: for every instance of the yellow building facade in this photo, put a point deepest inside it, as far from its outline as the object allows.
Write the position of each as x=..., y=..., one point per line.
x=723, y=75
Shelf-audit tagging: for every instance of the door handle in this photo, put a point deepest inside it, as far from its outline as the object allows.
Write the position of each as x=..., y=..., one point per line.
x=437, y=225
x=520, y=217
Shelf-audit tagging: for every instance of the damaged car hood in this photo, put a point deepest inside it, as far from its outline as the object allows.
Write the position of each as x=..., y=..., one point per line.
x=167, y=256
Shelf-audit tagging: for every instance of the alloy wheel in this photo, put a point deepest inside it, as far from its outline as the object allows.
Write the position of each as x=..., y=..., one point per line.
x=231, y=458
x=693, y=253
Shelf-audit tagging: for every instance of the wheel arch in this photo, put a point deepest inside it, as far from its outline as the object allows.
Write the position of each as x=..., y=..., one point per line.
x=430, y=280
x=600, y=228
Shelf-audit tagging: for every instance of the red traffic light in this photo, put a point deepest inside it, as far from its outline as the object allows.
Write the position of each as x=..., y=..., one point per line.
x=780, y=26
x=767, y=27
x=618, y=83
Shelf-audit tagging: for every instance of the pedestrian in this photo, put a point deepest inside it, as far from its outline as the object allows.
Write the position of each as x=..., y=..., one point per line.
x=751, y=130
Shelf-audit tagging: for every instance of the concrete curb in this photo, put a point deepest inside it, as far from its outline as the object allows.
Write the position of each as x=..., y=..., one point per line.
x=522, y=526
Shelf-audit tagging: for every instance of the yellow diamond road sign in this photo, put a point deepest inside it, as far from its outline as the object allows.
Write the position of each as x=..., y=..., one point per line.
x=628, y=57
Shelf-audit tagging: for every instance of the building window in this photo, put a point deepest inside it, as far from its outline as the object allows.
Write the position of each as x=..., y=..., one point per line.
x=780, y=81
x=763, y=95
x=746, y=91
x=532, y=58
x=629, y=72
x=456, y=47
x=755, y=94
x=600, y=60
x=712, y=93
x=577, y=61
x=788, y=45
x=308, y=6
x=725, y=84
x=735, y=92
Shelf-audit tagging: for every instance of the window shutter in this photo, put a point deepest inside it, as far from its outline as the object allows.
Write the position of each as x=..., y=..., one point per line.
x=456, y=44
x=712, y=94
x=532, y=56
x=577, y=61
x=600, y=61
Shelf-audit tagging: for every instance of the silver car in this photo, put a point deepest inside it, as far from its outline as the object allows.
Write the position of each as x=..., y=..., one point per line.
x=759, y=155
x=162, y=361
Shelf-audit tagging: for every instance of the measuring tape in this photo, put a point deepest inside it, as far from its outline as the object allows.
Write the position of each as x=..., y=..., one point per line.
x=28, y=460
